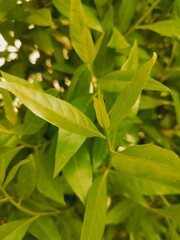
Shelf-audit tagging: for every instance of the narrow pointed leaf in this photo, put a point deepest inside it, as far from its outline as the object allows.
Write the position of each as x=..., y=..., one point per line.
x=13, y=171
x=132, y=61
x=95, y=214
x=6, y=156
x=130, y=94
x=80, y=34
x=168, y=28
x=15, y=229
x=117, y=40
x=54, y=110
x=101, y=112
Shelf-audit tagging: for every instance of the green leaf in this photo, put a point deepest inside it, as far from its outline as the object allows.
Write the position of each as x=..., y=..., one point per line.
x=87, y=46
x=46, y=184
x=43, y=40
x=45, y=229
x=80, y=34
x=31, y=125
x=128, y=185
x=11, y=115
x=15, y=229
x=91, y=18
x=40, y=17
x=126, y=13
x=5, y=7
x=122, y=184
x=101, y=112
x=130, y=94
x=176, y=100
x=27, y=178
x=67, y=145
x=95, y=214
x=149, y=162
x=117, y=80
x=120, y=212
x=168, y=28
x=63, y=6
x=78, y=173
x=117, y=40
x=99, y=152
x=132, y=62
x=78, y=86
x=4, y=130
x=13, y=171
x=148, y=102
x=54, y=110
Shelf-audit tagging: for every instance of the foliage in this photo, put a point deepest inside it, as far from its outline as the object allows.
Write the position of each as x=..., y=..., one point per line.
x=90, y=119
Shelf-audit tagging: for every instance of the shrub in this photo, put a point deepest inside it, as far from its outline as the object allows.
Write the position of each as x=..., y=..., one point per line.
x=90, y=117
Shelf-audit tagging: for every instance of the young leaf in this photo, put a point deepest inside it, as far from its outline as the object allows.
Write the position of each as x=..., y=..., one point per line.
x=45, y=229
x=67, y=145
x=168, y=28
x=130, y=94
x=16, y=229
x=80, y=34
x=117, y=40
x=95, y=214
x=78, y=173
x=54, y=110
x=132, y=61
x=149, y=162
x=101, y=112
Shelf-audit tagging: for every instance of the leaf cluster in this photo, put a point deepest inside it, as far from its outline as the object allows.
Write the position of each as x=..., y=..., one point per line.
x=89, y=119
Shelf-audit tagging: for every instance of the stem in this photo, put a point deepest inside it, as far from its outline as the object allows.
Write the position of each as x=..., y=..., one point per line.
x=23, y=209
x=109, y=147
x=165, y=201
x=141, y=19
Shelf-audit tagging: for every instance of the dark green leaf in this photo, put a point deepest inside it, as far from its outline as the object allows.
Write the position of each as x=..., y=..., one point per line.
x=78, y=173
